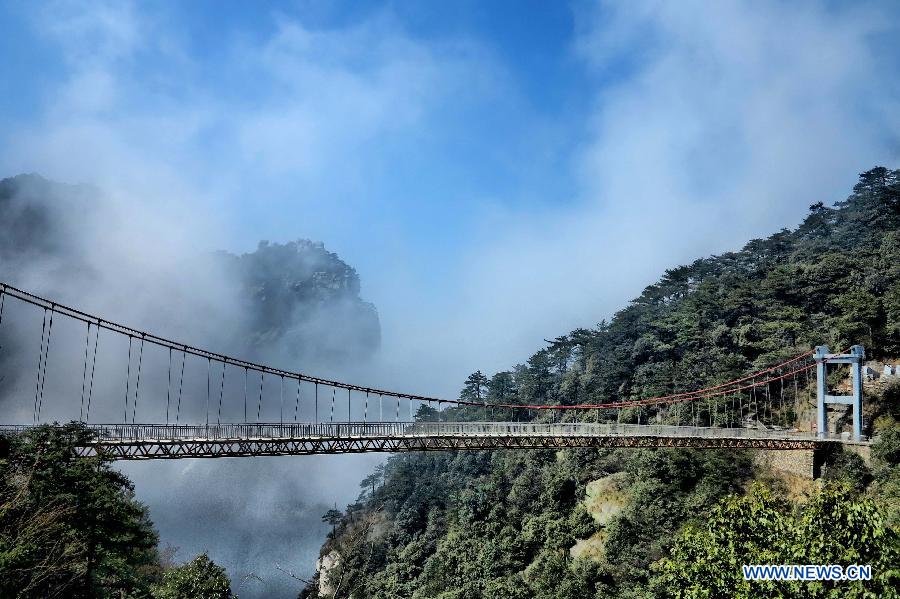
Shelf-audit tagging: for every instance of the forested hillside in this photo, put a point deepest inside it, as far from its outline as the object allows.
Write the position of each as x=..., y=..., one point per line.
x=650, y=523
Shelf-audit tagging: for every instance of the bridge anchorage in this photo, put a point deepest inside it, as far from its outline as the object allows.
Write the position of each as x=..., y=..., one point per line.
x=143, y=396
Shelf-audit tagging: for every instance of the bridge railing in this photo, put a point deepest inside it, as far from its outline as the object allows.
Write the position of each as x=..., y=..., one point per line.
x=127, y=433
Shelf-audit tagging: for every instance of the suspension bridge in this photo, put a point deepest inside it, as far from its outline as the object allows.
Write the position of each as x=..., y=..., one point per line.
x=141, y=396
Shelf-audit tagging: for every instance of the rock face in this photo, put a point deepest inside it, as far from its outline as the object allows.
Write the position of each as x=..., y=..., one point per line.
x=605, y=498
x=325, y=566
x=799, y=463
x=304, y=302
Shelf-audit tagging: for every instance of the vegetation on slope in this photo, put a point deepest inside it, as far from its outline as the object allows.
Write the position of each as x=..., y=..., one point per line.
x=834, y=527
x=502, y=524
x=70, y=527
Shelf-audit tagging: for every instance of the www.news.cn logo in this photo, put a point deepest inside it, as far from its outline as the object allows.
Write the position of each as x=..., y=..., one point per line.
x=807, y=572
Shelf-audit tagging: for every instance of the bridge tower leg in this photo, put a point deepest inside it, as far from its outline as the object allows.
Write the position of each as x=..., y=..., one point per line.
x=855, y=358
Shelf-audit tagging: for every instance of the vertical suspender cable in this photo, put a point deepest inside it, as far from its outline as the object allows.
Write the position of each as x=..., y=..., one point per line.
x=221, y=395
x=87, y=342
x=281, y=397
x=761, y=413
x=755, y=402
x=796, y=396
x=808, y=389
x=783, y=418
x=46, y=359
x=208, y=368
x=262, y=376
x=137, y=386
x=180, y=385
x=366, y=409
x=245, y=395
x=297, y=405
x=87, y=414
x=128, y=379
x=169, y=387
x=317, y=404
x=37, y=384
x=333, y=391
x=349, y=412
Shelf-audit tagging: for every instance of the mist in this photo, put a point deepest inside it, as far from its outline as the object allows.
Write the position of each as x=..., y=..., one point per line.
x=482, y=216
x=249, y=514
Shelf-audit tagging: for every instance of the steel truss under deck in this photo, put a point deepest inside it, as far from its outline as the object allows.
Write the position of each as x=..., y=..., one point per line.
x=150, y=442
x=221, y=448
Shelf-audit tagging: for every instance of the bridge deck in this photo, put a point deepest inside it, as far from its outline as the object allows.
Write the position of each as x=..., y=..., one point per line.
x=160, y=441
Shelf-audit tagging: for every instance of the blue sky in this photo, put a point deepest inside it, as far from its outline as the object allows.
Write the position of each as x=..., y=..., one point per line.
x=514, y=77
x=498, y=172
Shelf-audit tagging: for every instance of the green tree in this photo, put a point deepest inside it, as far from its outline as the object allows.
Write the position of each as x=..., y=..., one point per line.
x=848, y=468
x=200, y=578
x=332, y=517
x=886, y=470
x=475, y=387
x=834, y=527
x=886, y=449
x=426, y=413
x=370, y=482
x=501, y=387
x=69, y=526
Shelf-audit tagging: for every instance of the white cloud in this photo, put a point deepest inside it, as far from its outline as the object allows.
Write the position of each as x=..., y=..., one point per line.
x=715, y=123
x=712, y=123
x=328, y=93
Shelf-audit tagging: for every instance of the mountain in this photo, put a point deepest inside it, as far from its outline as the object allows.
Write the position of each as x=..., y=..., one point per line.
x=292, y=303
x=36, y=218
x=303, y=301
x=582, y=523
